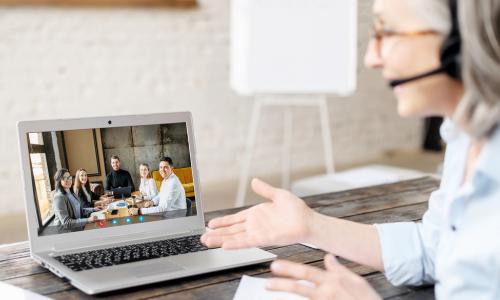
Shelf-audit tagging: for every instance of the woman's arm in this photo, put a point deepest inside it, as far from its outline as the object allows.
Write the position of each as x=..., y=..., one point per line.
x=61, y=206
x=354, y=241
x=285, y=220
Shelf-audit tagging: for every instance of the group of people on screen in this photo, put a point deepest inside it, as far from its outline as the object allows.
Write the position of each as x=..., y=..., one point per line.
x=74, y=201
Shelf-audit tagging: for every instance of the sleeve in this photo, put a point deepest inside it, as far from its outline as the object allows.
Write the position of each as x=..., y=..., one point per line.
x=62, y=214
x=409, y=249
x=152, y=189
x=130, y=181
x=108, y=182
x=87, y=211
x=156, y=199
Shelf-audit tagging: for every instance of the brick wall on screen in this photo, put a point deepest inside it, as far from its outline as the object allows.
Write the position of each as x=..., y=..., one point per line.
x=80, y=62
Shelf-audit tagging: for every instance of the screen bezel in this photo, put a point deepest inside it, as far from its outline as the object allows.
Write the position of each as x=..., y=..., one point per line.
x=94, y=238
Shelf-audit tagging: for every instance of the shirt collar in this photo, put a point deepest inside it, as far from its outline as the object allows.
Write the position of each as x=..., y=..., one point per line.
x=172, y=175
x=488, y=162
x=449, y=131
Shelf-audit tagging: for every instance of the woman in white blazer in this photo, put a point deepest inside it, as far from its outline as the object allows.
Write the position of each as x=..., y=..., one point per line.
x=148, y=185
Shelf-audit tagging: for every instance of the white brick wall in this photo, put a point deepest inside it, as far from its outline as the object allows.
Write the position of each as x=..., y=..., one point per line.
x=80, y=62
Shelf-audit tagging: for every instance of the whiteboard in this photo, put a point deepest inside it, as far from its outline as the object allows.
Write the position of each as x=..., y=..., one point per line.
x=293, y=46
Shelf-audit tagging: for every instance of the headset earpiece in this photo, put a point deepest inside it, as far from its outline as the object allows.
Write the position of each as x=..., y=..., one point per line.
x=450, y=50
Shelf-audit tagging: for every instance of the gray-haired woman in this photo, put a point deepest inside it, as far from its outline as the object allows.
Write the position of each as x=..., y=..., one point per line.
x=456, y=246
x=67, y=207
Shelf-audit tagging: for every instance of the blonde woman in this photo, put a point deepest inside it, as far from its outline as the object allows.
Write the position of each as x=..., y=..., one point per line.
x=148, y=185
x=456, y=246
x=81, y=188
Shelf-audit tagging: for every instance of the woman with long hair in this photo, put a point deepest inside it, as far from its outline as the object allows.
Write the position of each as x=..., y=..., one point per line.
x=455, y=247
x=67, y=207
x=82, y=190
x=148, y=185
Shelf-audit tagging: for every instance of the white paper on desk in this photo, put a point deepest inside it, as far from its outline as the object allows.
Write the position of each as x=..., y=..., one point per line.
x=100, y=215
x=11, y=292
x=252, y=288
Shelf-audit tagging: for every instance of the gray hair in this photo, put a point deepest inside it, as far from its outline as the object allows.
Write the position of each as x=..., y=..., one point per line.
x=479, y=108
x=434, y=14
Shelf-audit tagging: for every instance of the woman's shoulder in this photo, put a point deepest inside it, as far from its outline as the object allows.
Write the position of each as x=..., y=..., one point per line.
x=150, y=181
x=58, y=193
x=60, y=196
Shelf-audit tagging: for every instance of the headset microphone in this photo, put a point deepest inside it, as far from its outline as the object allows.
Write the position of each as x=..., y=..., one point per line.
x=395, y=83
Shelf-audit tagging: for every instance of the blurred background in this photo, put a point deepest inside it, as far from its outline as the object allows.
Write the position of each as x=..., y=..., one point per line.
x=84, y=61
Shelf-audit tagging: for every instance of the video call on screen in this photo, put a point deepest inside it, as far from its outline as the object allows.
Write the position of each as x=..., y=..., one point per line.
x=97, y=178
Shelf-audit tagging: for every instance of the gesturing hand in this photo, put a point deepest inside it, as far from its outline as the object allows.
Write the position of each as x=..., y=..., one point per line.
x=284, y=220
x=336, y=282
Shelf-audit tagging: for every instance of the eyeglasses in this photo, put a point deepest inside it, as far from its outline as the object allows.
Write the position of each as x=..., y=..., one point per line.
x=67, y=178
x=380, y=33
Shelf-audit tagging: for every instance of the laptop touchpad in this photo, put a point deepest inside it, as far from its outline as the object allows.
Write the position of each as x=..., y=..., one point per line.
x=153, y=269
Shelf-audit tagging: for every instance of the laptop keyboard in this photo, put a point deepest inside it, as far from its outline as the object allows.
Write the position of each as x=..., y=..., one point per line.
x=131, y=253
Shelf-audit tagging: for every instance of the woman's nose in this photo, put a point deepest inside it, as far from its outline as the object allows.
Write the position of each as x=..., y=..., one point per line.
x=372, y=56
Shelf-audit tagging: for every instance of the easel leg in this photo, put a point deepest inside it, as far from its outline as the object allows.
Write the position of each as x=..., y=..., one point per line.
x=286, y=150
x=250, y=144
x=326, y=134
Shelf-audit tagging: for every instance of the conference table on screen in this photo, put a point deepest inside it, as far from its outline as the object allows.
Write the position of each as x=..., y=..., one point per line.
x=121, y=215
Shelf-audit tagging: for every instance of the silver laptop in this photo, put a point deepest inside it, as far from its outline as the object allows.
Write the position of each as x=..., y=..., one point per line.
x=119, y=247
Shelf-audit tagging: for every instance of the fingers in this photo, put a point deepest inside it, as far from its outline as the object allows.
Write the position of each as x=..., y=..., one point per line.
x=298, y=271
x=216, y=237
x=228, y=242
x=228, y=220
x=229, y=230
x=263, y=189
x=291, y=286
x=239, y=241
x=331, y=262
x=332, y=265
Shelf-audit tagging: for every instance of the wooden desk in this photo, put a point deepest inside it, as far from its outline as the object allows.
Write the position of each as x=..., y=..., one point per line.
x=403, y=201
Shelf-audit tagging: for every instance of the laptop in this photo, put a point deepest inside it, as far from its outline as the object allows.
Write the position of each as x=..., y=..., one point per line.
x=119, y=249
x=121, y=192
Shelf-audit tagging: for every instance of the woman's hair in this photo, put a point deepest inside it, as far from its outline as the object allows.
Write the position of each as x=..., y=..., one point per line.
x=149, y=170
x=432, y=14
x=57, y=178
x=77, y=185
x=480, y=31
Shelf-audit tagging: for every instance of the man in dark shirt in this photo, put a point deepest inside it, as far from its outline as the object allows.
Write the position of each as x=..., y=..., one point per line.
x=118, y=177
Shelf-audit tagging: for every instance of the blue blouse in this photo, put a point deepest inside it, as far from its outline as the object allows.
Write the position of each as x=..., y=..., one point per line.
x=457, y=244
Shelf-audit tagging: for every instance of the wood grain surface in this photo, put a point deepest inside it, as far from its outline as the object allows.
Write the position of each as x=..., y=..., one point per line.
x=402, y=201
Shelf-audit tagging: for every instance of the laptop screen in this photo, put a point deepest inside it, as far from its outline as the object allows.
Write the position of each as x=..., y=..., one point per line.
x=88, y=179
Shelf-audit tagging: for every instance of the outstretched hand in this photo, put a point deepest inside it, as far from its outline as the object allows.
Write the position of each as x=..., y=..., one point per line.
x=335, y=282
x=283, y=220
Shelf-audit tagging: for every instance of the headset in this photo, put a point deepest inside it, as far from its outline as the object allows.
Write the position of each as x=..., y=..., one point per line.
x=449, y=54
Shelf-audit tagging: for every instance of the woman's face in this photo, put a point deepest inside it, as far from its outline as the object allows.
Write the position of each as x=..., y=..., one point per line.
x=404, y=56
x=83, y=177
x=143, y=170
x=66, y=180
